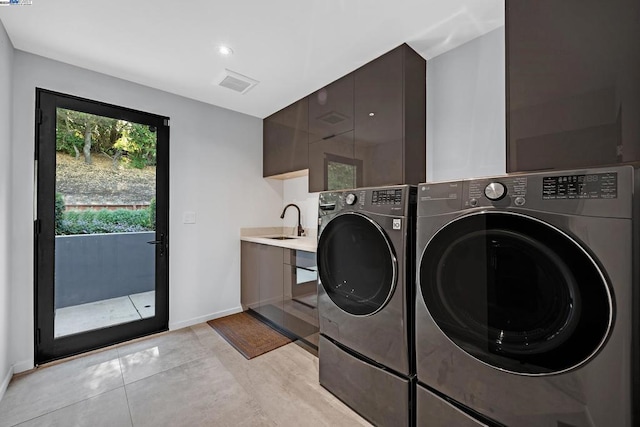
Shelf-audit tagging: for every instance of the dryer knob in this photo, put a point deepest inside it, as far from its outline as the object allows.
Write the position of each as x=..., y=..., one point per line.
x=350, y=199
x=495, y=191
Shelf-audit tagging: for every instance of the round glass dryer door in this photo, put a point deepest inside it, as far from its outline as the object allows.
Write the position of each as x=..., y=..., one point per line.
x=515, y=293
x=356, y=264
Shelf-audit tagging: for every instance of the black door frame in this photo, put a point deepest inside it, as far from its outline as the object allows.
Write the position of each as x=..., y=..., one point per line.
x=48, y=348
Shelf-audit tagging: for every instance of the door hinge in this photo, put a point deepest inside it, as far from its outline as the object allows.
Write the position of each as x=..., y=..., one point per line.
x=38, y=336
x=166, y=122
x=38, y=116
x=37, y=227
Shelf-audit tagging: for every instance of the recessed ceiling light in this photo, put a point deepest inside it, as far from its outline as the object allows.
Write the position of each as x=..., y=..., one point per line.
x=225, y=50
x=371, y=114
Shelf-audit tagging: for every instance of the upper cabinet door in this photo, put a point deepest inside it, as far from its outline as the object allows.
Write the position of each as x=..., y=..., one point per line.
x=573, y=83
x=378, y=88
x=331, y=164
x=331, y=109
x=286, y=140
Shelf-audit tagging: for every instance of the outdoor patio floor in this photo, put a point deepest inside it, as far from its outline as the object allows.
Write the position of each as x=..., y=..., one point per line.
x=99, y=314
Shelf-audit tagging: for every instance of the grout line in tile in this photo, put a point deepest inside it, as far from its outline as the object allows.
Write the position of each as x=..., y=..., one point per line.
x=165, y=370
x=124, y=386
x=66, y=406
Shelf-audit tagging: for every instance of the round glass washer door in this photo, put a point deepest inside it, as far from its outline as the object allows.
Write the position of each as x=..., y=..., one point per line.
x=356, y=264
x=516, y=293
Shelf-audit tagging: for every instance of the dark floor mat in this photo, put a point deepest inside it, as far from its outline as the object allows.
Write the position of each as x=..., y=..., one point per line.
x=248, y=335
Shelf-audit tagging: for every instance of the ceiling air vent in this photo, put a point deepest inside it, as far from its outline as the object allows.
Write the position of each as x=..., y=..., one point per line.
x=333, y=117
x=237, y=82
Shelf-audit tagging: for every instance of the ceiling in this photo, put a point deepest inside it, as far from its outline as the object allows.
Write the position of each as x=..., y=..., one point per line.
x=292, y=47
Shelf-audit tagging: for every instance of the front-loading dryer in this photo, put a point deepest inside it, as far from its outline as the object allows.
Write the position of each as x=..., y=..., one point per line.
x=526, y=308
x=366, y=295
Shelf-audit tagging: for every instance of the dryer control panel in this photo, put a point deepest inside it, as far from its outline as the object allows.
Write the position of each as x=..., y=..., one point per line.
x=599, y=192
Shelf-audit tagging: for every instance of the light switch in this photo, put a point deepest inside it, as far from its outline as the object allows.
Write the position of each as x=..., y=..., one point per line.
x=189, y=217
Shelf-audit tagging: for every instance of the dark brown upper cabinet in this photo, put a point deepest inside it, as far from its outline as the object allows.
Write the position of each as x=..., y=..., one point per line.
x=367, y=128
x=332, y=165
x=286, y=140
x=573, y=83
x=331, y=109
x=390, y=118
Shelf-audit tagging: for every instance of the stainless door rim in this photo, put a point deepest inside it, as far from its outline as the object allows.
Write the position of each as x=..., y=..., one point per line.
x=603, y=279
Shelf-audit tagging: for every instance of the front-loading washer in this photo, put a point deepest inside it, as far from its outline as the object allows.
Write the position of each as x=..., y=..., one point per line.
x=366, y=295
x=527, y=300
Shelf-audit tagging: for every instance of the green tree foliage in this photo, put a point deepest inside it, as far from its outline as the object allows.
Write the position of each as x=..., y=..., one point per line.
x=78, y=132
x=68, y=137
x=139, y=142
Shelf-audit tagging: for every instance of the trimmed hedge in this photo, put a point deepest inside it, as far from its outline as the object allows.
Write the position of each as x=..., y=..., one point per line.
x=105, y=221
x=59, y=210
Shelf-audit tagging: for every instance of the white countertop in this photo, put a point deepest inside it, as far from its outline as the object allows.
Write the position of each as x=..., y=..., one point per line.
x=261, y=235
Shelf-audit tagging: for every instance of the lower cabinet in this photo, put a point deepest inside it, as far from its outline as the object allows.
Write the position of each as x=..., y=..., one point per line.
x=280, y=285
x=261, y=275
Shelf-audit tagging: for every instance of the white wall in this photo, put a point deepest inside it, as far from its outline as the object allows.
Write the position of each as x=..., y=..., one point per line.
x=6, y=66
x=296, y=190
x=215, y=171
x=466, y=110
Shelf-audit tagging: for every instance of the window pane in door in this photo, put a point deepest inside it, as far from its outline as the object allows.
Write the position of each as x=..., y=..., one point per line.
x=104, y=221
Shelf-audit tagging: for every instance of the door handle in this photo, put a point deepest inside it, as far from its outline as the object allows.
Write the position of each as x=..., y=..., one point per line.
x=161, y=242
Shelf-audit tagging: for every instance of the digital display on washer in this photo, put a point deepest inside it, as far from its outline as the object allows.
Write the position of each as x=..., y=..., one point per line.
x=387, y=197
x=591, y=186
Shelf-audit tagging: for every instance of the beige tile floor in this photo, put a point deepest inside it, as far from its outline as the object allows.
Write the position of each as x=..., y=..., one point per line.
x=188, y=377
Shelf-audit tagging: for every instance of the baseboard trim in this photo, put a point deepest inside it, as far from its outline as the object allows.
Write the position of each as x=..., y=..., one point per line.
x=5, y=382
x=196, y=320
x=25, y=365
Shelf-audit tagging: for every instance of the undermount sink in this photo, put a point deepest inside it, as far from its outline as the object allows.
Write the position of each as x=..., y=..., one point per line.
x=281, y=237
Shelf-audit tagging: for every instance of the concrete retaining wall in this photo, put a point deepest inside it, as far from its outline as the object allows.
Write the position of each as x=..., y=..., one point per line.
x=94, y=267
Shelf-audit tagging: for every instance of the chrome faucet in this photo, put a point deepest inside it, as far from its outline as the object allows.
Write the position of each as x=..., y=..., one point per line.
x=300, y=229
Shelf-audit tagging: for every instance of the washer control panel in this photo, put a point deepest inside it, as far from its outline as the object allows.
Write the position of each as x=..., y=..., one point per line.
x=586, y=186
x=387, y=197
x=384, y=200
x=502, y=191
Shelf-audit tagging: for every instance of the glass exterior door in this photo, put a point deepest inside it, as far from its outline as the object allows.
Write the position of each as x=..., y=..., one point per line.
x=102, y=237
